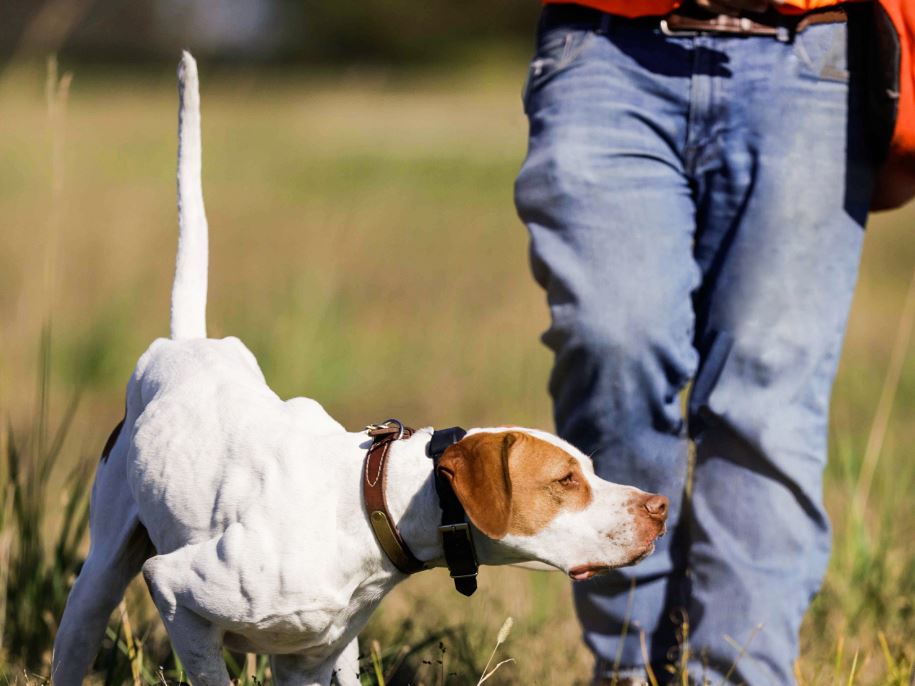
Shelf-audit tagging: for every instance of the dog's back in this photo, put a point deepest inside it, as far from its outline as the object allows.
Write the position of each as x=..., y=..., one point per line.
x=205, y=421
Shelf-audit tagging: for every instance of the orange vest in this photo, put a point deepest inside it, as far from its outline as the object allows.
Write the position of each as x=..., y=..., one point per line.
x=896, y=182
x=647, y=8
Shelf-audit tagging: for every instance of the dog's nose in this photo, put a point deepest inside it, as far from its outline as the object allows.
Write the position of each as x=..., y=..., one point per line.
x=656, y=506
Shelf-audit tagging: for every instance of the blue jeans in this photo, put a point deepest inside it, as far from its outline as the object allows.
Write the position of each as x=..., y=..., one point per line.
x=696, y=208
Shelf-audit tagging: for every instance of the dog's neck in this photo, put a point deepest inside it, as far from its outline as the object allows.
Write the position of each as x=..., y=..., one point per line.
x=415, y=510
x=412, y=499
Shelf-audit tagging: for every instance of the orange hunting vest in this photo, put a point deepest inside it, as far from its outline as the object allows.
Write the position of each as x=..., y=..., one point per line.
x=646, y=8
x=896, y=183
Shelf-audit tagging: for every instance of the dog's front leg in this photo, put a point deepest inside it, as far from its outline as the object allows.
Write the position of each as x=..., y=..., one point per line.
x=346, y=670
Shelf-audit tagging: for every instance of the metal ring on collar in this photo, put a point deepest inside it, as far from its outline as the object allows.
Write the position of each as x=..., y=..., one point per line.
x=375, y=429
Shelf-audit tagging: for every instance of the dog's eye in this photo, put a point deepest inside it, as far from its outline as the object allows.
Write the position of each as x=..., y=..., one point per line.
x=568, y=480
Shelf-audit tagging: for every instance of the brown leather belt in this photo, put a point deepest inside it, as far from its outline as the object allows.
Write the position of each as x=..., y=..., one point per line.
x=772, y=23
x=690, y=20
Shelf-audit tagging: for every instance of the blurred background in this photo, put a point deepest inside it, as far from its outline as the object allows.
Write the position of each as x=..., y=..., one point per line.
x=358, y=169
x=264, y=31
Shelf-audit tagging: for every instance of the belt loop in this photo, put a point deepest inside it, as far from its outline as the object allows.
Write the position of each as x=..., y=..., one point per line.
x=784, y=35
x=605, y=21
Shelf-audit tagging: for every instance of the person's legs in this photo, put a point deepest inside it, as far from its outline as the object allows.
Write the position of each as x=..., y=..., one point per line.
x=782, y=206
x=611, y=219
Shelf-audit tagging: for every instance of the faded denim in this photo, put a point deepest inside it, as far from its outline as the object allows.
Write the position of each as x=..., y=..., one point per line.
x=696, y=208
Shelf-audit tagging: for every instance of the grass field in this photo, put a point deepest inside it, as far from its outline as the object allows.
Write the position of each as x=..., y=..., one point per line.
x=363, y=243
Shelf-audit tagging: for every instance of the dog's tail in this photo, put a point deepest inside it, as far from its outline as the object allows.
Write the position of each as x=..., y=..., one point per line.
x=189, y=291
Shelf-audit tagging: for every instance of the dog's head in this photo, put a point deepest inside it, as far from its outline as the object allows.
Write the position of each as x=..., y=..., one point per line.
x=538, y=498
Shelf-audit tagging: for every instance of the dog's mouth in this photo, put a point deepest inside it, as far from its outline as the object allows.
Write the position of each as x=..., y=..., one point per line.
x=592, y=569
x=583, y=572
x=642, y=555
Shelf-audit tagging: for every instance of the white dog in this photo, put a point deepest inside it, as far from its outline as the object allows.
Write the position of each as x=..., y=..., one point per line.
x=247, y=514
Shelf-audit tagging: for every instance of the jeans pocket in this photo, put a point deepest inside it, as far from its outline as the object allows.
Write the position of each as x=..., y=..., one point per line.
x=558, y=48
x=822, y=52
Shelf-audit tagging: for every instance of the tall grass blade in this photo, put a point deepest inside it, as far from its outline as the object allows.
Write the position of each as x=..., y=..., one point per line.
x=887, y=655
x=500, y=639
x=837, y=668
x=397, y=662
x=617, y=659
x=495, y=669
x=57, y=95
x=6, y=546
x=652, y=679
x=37, y=574
x=684, y=651
x=135, y=665
x=376, y=662
x=854, y=669
x=887, y=396
x=741, y=651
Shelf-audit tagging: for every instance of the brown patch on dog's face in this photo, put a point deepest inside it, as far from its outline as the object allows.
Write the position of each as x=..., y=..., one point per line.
x=513, y=483
x=546, y=480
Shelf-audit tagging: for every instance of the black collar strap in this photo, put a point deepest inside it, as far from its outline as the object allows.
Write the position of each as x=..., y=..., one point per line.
x=457, y=540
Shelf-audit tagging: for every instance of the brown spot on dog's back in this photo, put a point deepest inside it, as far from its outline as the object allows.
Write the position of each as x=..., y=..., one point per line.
x=112, y=439
x=512, y=482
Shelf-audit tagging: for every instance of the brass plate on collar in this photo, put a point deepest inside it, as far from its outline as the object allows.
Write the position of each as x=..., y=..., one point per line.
x=384, y=532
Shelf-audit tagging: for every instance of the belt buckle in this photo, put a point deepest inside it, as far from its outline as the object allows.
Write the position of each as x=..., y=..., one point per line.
x=668, y=26
x=669, y=30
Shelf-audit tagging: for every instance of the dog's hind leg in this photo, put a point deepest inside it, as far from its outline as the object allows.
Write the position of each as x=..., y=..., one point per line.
x=196, y=640
x=119, y=546
x=97, y=591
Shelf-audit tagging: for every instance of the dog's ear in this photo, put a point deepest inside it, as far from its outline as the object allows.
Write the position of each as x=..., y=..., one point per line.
x=477, y=467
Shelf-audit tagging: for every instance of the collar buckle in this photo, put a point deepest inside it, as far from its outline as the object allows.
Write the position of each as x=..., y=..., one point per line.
x=460, y=553
x=388, y=426
x=460, y=556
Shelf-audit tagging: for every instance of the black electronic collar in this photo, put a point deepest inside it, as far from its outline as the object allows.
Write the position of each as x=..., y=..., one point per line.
x=457, y=540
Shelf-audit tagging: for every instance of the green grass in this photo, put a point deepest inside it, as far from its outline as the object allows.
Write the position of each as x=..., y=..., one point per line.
x=364, y=245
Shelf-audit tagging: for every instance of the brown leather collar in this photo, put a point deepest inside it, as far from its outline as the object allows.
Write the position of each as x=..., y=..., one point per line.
x=374, y=478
